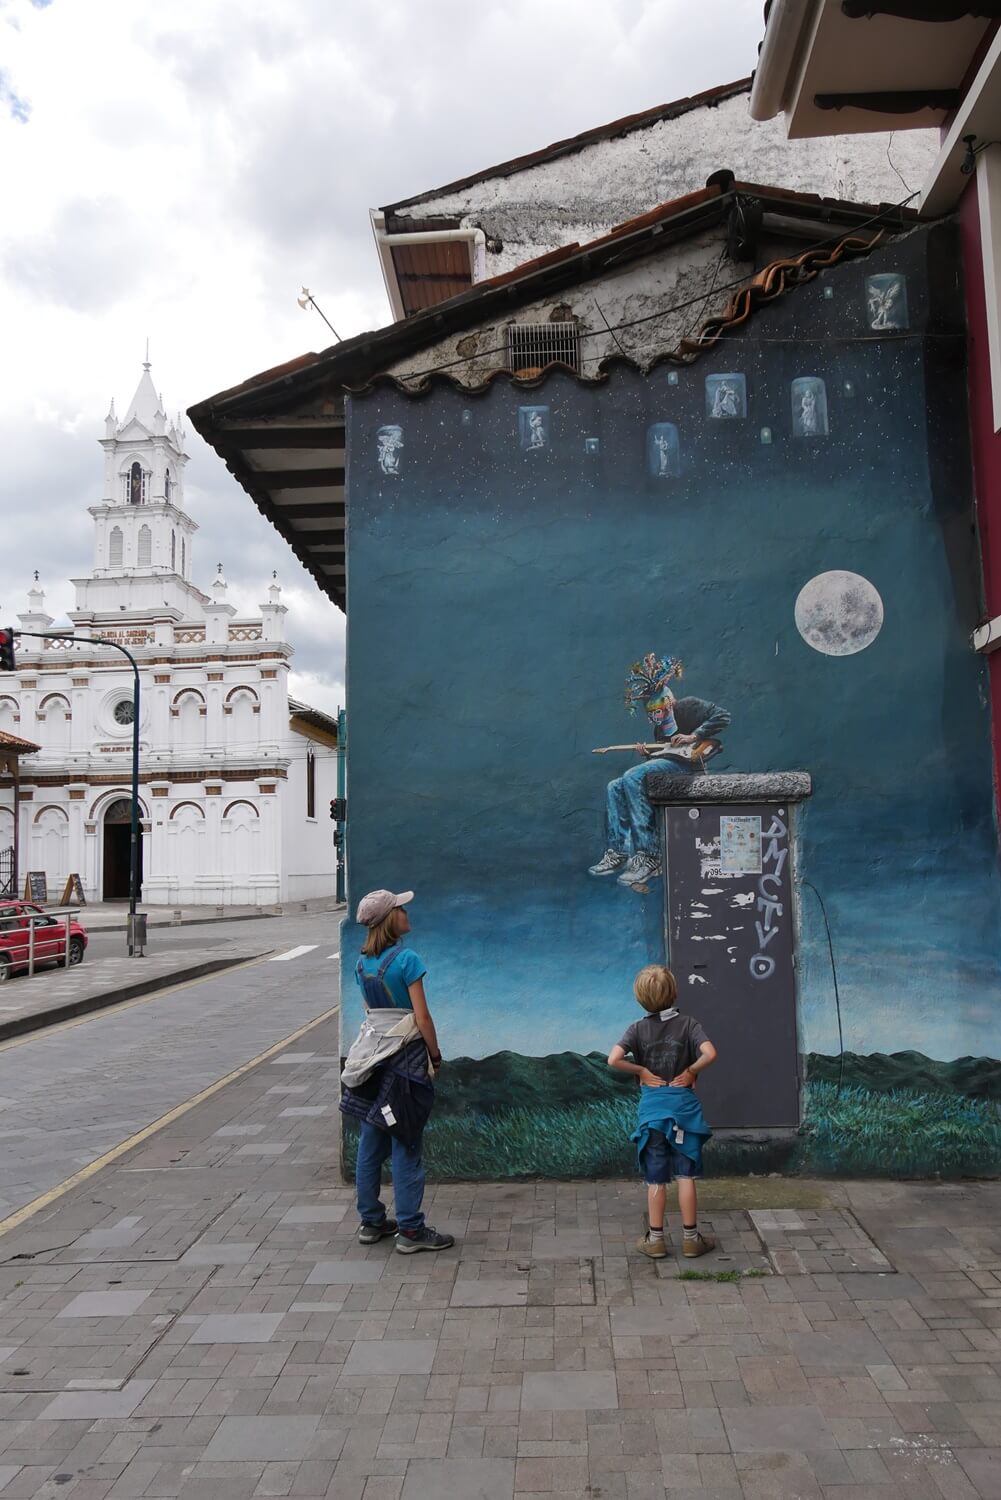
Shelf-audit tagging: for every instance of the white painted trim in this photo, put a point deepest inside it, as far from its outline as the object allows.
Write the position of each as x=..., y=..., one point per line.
x=989, y=203
x=975, y=115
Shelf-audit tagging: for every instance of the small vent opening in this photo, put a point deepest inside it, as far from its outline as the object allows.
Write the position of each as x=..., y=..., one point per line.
x=532, y=346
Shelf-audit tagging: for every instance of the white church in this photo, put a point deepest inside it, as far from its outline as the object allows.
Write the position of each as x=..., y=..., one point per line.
x=235, y=778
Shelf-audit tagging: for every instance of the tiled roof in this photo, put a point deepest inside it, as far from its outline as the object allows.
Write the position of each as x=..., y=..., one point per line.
x=13, y=742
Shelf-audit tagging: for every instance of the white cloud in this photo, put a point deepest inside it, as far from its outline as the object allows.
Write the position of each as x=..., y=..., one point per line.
x=177, y=171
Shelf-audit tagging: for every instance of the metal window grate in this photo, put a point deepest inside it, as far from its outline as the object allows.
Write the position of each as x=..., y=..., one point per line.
x=532, y=346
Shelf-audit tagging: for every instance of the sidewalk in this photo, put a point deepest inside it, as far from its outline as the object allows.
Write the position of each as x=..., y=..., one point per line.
x=111, y=916
x=53, y=994
x=198, y=1320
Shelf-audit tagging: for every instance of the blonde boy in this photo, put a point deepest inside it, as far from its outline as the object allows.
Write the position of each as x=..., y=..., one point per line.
x=668, y=1052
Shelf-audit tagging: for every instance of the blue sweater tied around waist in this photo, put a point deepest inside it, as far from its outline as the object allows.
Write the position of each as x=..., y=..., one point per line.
x=677, y=1113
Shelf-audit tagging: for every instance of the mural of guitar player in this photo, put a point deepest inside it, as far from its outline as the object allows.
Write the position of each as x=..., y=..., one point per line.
x=685, y=737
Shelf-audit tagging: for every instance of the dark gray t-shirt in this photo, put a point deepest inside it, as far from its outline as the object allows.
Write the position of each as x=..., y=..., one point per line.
x=666, y=1047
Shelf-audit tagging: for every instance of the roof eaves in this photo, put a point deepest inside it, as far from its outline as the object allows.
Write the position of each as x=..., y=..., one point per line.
x=709, y=99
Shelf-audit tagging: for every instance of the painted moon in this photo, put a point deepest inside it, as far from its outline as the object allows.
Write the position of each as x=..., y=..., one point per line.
x=839, y=613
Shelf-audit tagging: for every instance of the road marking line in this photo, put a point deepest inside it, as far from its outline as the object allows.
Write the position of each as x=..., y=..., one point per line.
x=334, y=955
x=30, y=1209
x=116, y=1010
x=279, y=958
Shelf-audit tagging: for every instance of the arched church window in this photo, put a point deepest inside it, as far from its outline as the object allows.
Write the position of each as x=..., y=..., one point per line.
x=173, y=551
x=116, y=546
x=145, y=556
x=184, y=558
x=166, y=486
x=136, y=483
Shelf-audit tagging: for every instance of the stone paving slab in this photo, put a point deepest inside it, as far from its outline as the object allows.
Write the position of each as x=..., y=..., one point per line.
x=50, y=995
x=199, y=1323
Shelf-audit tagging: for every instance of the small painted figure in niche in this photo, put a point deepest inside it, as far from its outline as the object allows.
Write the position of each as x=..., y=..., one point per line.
x=663, y=451
x=135, y=484
x=390, y=441
x=809, y=407
x=886, y=299
x=685, y=737
x=533, y=427
x=726, y=396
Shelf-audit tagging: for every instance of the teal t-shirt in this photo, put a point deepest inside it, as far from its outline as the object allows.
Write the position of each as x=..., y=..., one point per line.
x=405, y=969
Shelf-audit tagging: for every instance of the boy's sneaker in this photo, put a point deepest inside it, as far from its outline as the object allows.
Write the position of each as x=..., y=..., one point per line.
x=640, y=869
x=701, y=1245
x=610, y=863
x=409, y=1241
x=656, y=1249
x=371, y=1234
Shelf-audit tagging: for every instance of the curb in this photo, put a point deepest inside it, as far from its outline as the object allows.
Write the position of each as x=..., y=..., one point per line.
x=41, y=1020
x=249, y=916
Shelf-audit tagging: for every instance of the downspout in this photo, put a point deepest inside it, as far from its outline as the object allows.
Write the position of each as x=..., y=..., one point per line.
x=474, y=238
x=779, y=56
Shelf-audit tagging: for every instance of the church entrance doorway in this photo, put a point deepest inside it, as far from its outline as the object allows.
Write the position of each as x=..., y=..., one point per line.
x=117, y=846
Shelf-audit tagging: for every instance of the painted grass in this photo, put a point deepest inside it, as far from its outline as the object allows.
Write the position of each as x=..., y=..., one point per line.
x=859, y=1133
x=904, y=1134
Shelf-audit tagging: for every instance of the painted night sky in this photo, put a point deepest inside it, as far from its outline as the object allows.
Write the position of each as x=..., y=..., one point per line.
x=501, y=583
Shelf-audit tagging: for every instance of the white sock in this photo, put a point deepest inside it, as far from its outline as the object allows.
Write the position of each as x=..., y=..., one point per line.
x=690, y=1233
x=655, y=1234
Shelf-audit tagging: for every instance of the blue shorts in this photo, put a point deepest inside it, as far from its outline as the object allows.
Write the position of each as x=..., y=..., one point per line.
x=661, y=1161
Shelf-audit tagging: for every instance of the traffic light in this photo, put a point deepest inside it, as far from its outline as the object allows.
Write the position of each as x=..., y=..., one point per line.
x=338, y=809
x=7, y=663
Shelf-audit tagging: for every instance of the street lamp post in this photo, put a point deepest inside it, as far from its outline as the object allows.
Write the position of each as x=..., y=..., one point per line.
x=98, y=640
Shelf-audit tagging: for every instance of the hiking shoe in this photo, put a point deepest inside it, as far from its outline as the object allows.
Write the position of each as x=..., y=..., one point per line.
x=656, y=1249
x=610, y=862
x=640, y=869
x=699, y=1246
x=409, y=1241
x=371, y=1234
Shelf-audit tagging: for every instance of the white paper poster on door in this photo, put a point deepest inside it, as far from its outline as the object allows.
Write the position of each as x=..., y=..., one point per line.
x=740, y=844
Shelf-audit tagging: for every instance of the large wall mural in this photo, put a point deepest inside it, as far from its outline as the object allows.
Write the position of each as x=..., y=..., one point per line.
x=771, y=551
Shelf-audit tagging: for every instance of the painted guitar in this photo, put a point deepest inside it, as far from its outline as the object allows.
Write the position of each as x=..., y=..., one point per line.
x=701, y=751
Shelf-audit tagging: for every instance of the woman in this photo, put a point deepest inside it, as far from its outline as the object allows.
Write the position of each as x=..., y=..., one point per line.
x=387, y=1076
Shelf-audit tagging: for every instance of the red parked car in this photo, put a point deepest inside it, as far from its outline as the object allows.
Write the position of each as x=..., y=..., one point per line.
x=50, y=937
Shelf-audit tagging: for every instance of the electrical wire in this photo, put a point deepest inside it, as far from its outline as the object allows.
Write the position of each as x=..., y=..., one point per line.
x=663, y=312
x=834, y=974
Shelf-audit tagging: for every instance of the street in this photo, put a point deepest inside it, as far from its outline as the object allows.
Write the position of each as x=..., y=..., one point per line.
x=70, y=1094
x=317, y=927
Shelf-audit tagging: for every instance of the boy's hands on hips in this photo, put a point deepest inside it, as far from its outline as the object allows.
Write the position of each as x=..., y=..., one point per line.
x=685, y=1080
x=652, y=1080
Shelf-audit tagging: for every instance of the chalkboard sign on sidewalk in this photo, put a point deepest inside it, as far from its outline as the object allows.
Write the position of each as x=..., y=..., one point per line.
x=36, y=887
x=73, y=891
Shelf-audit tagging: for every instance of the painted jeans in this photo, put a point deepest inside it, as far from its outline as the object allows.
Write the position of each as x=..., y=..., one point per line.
x=630, y=821
x=374, y=1145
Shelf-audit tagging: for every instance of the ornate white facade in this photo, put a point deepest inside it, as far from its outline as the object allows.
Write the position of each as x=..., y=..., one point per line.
x=235, y=781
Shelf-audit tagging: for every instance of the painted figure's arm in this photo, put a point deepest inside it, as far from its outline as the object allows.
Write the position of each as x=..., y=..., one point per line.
x=422, y=1016
x=617, y=1060
x=686, y=1079
x=715, y=720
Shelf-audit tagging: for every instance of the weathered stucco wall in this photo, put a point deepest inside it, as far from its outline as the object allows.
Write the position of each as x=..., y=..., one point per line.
x=511, y=553
x=620, y=297
x=580, y=196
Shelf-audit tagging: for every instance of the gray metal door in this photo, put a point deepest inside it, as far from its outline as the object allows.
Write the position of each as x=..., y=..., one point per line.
x=730, y=943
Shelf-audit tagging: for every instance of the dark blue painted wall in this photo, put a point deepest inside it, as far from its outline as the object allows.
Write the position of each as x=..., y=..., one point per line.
x=496, y=597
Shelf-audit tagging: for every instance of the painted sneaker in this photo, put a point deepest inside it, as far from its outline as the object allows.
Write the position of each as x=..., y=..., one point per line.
x=655, y=1249
x=409, y=1241
x=371, y=1234
x=640, y=869
x=609, y=863
x=699, y=1246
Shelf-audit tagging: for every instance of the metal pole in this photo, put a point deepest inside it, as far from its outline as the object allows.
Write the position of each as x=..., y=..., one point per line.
x=342, y=729
x=69, y=923
x=99, y=640
x=31, y=946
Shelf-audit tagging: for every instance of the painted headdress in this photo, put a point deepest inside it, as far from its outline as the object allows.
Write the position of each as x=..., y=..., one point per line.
x=648, y=680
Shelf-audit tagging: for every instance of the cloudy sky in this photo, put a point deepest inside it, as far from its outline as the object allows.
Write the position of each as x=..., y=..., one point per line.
x=175, y=171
